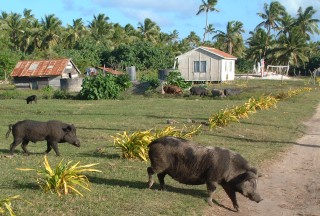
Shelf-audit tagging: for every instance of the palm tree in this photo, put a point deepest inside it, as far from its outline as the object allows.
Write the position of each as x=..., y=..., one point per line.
x=232, y=38
x=51, y=28
x=256, y=44
x=207, y=6
x=306, y=23
x=292, y=49
x=285, y=24
x=210, y=29
x=271, y=18
x=193, y=40
x=149, y=30
x=74, y=32
x=14, y=26
x=100, y=28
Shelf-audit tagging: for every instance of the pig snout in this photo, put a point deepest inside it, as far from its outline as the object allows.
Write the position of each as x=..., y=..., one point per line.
x=255, y=197
x=77, y=143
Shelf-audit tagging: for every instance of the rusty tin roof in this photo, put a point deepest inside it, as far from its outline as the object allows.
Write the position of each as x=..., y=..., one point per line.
x=41, y=68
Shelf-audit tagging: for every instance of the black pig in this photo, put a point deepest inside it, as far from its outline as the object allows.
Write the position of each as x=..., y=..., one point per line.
x=53, y=131
x=31, y=98
x=194, y=165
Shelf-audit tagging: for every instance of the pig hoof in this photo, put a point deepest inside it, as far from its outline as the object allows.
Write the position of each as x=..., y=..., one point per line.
x=209, y=200
x=150, y=183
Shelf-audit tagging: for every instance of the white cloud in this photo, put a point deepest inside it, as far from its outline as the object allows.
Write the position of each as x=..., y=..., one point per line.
x=292, y=6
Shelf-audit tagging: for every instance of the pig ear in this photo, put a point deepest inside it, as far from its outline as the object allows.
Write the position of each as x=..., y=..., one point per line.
x=67, y=129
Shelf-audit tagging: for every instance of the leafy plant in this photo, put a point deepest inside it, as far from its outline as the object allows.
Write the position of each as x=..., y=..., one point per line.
x=64, y=178
x=135, y=145
x=174, y=78
x=5, y=205
x=223, y=118
x=48, y=92
x=100, y=87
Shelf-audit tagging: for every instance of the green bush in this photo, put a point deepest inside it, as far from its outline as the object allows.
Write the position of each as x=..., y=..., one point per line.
x=100, y=87
x=48, y=92
x=174, y=78
x=10, y=94
x=61, y=94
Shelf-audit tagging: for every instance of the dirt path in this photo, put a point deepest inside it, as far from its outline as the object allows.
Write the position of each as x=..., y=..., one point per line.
x=290, y=186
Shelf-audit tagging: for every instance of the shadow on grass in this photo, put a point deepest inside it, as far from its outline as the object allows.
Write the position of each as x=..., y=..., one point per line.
x=144, y=185
x=29, y=186
x=99, y=155
x=270, y=141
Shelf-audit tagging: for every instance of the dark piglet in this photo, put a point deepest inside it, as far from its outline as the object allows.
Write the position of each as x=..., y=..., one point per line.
x=191, y=164
x=53, y=132
x=31, y=98
x=195, y=90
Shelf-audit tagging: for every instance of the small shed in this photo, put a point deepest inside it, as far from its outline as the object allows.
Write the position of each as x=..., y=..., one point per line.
x=36, y=74
x=206, y=64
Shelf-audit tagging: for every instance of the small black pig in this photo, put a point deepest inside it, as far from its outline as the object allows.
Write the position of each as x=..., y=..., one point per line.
x=194, y=165
x=31, y=98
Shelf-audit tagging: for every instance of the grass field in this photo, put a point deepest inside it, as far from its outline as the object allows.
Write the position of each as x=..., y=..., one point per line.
x=121, y=187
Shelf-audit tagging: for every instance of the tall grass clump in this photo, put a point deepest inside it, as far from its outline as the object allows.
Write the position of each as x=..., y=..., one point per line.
x=64, y=178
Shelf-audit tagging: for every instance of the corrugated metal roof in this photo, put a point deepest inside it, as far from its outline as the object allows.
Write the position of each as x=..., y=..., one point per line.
x=110, y=70
x=219, y=52
x=40, y=68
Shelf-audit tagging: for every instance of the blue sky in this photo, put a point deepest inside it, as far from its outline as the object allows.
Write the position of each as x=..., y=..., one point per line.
x=170, y=15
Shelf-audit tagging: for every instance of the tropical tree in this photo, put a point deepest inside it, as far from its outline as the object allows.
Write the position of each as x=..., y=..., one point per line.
x=207, y=6
x=210, y=30
x=286, y=23
x=100, y=29
x=51, y=30
x=74, y=32
x=271, y=16
x=13, y=24
x=256, y=43
x=306, y=23
x=232, y=38
x=292, y=49
x=149, y=30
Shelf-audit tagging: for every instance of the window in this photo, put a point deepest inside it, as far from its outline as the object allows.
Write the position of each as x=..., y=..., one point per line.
x=200, y=66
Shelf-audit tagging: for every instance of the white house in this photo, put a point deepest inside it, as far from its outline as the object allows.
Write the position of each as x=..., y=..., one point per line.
x=206, y=64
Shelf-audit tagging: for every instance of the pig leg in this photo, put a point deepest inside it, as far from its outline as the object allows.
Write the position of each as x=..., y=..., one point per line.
x=24, y=146
x=150, y=173
x=161, y=180
x=232, y=194
x=54, y=145
x=48, y=148
x=13, y=145
x=211, y=187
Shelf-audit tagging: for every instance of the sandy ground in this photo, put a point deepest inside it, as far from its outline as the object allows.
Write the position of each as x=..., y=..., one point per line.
x=290, y=186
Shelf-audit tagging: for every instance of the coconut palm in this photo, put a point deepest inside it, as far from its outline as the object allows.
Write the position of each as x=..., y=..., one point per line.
x=14, y=25
x=271, y=16
x=100, y=28
x=149, y=30
x=207, y=6
x=292, y=49
x=51, y=30
x=232, y=38
x=286, y=23
x=74, y=32
x=306, y=23
x=256, y=44
x=210, y=30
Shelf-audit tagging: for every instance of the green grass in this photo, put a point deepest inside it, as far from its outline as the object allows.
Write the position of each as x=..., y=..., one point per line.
x=121, y=188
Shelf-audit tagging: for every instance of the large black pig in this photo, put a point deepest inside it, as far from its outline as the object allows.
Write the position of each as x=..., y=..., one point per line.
x=53, y=131
x=194, y=165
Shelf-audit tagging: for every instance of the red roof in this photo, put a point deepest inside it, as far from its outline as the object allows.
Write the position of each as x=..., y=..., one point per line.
x=40, y=68
x=110, y=70
x=218, y=52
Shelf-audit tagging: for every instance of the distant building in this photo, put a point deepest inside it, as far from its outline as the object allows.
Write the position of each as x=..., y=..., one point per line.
x=206, y=64
x=36, y=74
